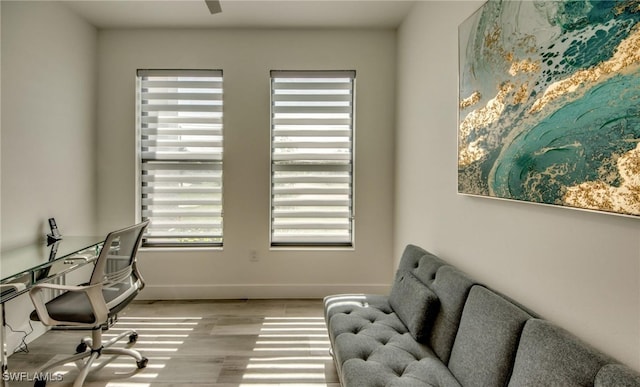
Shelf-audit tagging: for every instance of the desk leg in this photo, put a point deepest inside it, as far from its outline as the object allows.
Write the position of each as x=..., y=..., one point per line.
x=3, y=344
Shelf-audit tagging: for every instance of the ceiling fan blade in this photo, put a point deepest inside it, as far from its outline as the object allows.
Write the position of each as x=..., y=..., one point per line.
x=214, y=6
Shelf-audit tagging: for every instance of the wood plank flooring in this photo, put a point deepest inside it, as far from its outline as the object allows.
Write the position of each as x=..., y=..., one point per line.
x=218, y=343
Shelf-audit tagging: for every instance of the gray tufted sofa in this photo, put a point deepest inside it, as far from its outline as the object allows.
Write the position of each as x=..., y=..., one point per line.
x=438, y=327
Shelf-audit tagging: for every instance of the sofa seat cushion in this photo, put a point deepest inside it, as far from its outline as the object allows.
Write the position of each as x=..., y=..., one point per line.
x=355, y=336
x=355, y=314
x=428, y=372
x=485, y=346
x=550, y=356
x=347, y=303
x=401, y=362
x=397, y=352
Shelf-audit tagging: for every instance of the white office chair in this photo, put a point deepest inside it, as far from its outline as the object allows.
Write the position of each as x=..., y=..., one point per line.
x=114, y=283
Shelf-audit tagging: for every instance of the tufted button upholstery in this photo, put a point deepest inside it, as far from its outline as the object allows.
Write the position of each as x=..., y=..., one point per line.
x=372, y=346
x=477, y=337
x=374, y=336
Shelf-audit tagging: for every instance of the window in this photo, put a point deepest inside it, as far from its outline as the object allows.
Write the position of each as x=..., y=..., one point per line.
x=312, y=125
x=179, y=123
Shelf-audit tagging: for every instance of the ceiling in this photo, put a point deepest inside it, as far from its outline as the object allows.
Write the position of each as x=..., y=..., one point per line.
x=243, y=13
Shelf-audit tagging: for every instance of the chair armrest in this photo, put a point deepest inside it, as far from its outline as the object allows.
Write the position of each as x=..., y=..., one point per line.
x=137, y=274
x=93, y=292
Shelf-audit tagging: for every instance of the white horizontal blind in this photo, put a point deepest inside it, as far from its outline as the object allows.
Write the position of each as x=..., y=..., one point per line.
x=180, y=146
x=312, y=125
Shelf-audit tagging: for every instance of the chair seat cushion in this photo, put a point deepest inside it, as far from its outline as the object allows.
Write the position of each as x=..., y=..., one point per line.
x=75, y=306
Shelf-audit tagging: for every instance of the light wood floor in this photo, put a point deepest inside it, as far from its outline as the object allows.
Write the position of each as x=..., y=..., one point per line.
x=203, y=343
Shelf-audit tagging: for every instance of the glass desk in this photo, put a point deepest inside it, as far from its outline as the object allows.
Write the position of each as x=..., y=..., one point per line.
x=22, y=268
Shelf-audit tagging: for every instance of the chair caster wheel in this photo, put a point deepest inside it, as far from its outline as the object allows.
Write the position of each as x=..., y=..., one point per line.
x=81, y=347
x=142, y=363
x=133, y=337
x=39, y=383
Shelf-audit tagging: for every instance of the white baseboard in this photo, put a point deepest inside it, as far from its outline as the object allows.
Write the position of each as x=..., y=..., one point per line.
x=255, y=291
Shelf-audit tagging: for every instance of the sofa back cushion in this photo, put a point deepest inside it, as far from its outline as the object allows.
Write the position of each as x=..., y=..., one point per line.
x=415, y=304
x=414, y=257
x=485, y=346
x=452, y=288
x=617, y=375
x=550, y=356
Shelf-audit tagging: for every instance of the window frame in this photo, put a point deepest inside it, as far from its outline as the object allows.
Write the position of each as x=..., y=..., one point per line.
x=350, y=166
x=213, y=164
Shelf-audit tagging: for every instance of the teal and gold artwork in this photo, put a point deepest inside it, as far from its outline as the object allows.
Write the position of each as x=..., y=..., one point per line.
x=549, y=103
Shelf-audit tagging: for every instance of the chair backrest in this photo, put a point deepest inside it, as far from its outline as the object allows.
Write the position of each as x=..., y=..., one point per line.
x=115, y=266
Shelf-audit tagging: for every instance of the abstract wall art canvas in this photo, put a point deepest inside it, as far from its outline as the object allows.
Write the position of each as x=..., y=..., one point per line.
x=549, y=103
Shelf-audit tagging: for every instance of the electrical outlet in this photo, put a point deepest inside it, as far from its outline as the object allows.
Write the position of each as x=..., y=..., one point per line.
x=253, y=256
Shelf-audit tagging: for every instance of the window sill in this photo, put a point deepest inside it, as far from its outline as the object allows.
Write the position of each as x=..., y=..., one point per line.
x=312, y=248
x=180, y=249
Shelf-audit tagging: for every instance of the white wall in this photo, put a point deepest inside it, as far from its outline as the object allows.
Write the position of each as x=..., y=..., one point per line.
x=48, y=61
x=246, y=56
x=578, y=269
x=0, y=130
x=48, y=121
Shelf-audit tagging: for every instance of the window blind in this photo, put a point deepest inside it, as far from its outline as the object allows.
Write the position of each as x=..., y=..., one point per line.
x=180, y=147
x=312, y=125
